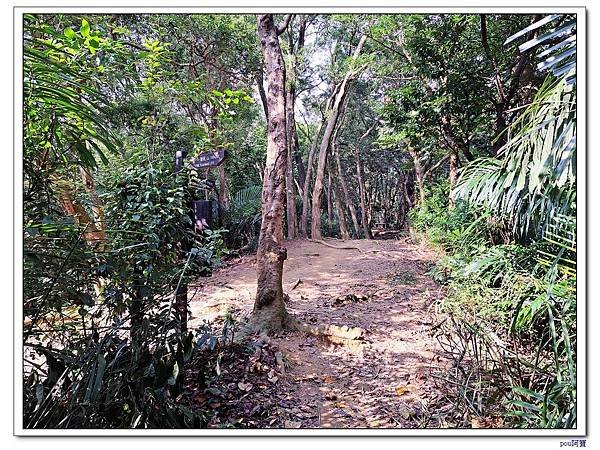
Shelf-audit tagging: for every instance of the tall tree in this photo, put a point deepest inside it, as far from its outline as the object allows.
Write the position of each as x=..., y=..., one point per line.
x=345, y=191
x=269, y=309
x=295, y=47
x=307, y=180
x=339, y=95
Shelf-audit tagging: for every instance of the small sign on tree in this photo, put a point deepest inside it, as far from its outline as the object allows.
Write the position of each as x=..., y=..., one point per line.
x=209, y=159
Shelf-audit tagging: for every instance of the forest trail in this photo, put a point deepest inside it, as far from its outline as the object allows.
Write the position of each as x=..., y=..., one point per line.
x=297, y=380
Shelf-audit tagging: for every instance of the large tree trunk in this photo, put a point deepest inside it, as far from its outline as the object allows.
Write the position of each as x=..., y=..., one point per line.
x=340, y=94
x=362, y=195
x=269, y=309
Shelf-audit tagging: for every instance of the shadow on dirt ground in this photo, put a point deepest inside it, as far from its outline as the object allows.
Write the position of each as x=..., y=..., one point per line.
x=296, y=380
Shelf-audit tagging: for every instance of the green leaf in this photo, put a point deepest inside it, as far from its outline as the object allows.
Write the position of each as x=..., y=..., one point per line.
x=69, y=33
x=526, y=405
x=85, y=28
x=99, y=375
x=528, y=392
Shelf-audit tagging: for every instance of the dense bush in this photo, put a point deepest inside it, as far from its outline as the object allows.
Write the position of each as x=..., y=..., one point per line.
x=116, y=354
x=523, y=295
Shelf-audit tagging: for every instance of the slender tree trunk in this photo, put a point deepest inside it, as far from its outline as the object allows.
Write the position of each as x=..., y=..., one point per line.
x=94, y=237
x=306, y=184
x=344, y=185
x=419, y=173
x=371, y=196
x=362, y=195
x=181, y=307
x=329, y=202
x=454, y=158
x=339, y=209
x=295, y=47
x=339, y=97
x=136, y=310
x=299, y=166
x=269, y=308
x=453, y=176
x=97, y=207
x=291, y=216
x=223, y=189
x=261, y=91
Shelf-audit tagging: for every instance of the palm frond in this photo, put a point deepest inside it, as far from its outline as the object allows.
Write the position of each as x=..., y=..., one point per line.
x=533, y=179
x=54, y=91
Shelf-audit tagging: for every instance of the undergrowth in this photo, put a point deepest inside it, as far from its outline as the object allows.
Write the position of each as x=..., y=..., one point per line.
x=517, y=301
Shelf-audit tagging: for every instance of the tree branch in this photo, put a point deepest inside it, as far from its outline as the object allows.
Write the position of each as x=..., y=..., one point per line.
x=430, y=170
x=286, y=22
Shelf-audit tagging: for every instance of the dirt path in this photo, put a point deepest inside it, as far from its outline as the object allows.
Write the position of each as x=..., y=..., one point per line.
x=381, y=381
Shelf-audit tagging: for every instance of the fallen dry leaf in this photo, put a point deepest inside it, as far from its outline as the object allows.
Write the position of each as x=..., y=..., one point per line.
x=476, y=423
x=405, y=413
x=328, y=379
x=200, y=398
x=292, y=424
x=401, y=390
x=245, y=386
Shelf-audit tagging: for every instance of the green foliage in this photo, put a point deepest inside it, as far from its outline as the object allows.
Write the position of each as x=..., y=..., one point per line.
x=512, y=290
x=453, y=229
x=110, y=384
x=534, y=181
x=100, y=378
x=526, y=292
x=102, y=338
x=64, y=106
x=553, y=405
x=243, y=217
x=429, y=86
x=523, y=293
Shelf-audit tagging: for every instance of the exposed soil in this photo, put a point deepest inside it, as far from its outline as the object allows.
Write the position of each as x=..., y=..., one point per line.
x=297, y=380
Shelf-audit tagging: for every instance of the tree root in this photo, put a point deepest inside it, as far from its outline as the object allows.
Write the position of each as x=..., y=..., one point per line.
x=322, y=242
x=333, y=333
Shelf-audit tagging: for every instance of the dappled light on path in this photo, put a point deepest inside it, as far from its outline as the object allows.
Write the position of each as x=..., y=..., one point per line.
x=382, y=380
